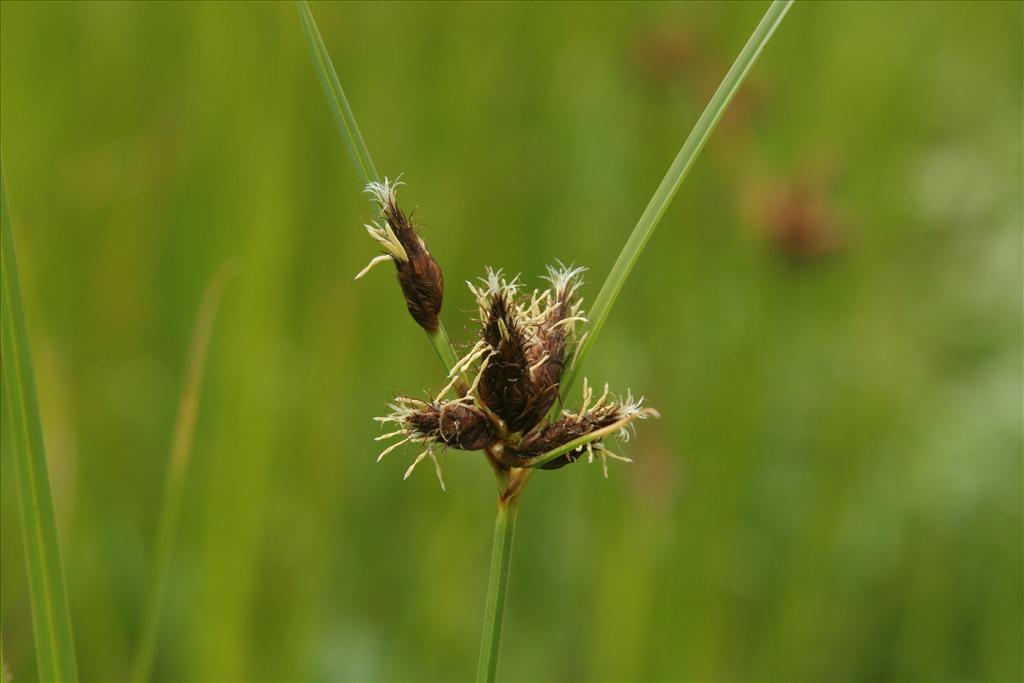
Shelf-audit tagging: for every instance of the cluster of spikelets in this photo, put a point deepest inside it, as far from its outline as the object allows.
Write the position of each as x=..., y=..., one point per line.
x=507, y=384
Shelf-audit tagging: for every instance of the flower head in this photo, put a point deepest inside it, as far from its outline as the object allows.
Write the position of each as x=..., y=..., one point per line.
x=518, y=362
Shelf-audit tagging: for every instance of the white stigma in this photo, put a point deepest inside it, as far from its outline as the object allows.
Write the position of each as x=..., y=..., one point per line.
x=565, y=280
x=385, y=193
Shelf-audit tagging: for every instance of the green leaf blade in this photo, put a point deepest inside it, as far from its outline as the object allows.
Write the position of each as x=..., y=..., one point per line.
x=177, y=469
x=354, y=143
x=51, y=619
x=670, y=184
x=336, y=100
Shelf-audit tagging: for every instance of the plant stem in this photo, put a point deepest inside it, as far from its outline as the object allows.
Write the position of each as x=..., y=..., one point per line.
x=443, y=347
x=673, y=179
x=51, y=619
x=497, y=585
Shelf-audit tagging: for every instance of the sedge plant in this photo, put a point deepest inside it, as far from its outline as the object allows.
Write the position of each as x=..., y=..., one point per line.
x=502, y=395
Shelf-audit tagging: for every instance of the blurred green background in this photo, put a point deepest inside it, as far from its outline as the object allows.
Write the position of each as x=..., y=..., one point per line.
x=829, y=319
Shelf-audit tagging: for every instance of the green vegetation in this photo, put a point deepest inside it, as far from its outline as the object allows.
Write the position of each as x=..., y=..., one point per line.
x=828, y=319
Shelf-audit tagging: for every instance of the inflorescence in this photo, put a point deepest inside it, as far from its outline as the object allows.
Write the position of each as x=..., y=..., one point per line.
x=508, y=382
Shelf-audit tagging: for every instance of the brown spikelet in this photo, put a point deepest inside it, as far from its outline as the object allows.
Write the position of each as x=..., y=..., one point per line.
x=506, y=386
x=547, y=360
x=419, y=275
x=528, y=339
x=563, y=431
x=423, y=288
x=454, y=424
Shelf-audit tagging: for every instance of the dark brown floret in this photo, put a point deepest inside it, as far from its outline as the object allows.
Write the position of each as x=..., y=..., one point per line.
x=521, y=380
x=421, y=278
x=563, y=431
x=457, y=425
x=506, y=386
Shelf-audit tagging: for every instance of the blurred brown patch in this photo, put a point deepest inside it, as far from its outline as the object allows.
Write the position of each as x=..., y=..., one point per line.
x=667, y=57
x=798, y=216
x=664, y=55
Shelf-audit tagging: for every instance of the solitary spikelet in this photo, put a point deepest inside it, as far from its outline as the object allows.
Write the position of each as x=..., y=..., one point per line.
x=419, y=275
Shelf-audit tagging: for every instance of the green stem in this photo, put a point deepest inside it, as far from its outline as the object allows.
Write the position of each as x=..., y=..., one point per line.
x=497, y=586
x=443, y=347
